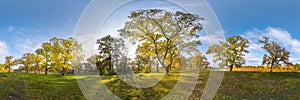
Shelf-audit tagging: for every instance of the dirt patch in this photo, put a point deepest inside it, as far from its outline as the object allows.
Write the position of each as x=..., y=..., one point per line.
x=17, y=94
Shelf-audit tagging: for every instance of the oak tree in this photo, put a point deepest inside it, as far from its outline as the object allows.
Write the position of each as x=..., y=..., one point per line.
x=9, y=62
x=277, y=54
x=231, y=52
x=168, y=32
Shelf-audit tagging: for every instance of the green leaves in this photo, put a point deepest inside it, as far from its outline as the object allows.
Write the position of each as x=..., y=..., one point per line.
x=231, y=52
x=277, y=54
x=9, y=62
x=167, y=33
x=111, y=52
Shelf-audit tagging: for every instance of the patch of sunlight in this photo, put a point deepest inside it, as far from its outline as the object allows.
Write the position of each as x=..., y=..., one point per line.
x=61, y=82
x=150, y=74
x=108, y=80
x=77, y=77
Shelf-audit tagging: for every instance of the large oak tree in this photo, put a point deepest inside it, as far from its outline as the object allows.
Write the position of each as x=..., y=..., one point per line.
x=168, y=32
x=231, y=52
x=9, y=62
x=277, y=54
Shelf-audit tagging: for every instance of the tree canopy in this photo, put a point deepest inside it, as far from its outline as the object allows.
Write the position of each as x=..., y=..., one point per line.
x=231, y=52
x=111, y=52
x=277, y=54
x=169, y=33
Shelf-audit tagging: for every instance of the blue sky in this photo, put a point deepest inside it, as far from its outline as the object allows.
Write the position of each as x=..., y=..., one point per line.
x=26, y=24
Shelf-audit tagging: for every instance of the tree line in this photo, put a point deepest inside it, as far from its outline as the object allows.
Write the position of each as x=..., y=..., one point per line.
x=56, y=55
x=163, y=39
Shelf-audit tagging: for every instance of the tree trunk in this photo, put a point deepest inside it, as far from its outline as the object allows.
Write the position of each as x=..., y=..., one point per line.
x=150, y=65
x=9, y=69
x=26, y=68
x=35, y=69
x=110, y=65
x=157, y=70
x=271, y=67
x=139, y=67
x=231, y=67
x=46, y=69
x=63, y=72
x=167, y=70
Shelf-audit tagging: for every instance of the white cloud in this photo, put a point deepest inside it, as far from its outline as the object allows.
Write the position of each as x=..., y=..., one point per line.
x=18, y=30
x=255, y=46
x=28, y=45
x=294, y=59
x=10, y=29
x=250, y=59
x=3, y=50
x=69, y=20
x=285, y=38
x=212, y=38
x=282, y=36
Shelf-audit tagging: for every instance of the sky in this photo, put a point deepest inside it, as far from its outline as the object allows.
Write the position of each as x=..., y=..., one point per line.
x=26, y=24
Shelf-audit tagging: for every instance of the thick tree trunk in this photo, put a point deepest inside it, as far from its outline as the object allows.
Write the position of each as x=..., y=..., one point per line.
x=167, y=70
x=35, y=69
x=46, y=69
x=9, y=69
x=110, y=65
x=157, y=70
x=26, y=68
x=271, y=67
x=63, y=72
x=231, y=67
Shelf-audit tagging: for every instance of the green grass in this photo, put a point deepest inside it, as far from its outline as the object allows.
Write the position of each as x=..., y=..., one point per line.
x=235, y=85
x=247, y=85
x=51, y=87
x=8, y=82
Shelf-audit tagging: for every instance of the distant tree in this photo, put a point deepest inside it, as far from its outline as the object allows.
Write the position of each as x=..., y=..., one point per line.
x=168, y=32
x=231, y=52
x=297, y=66
x=200, y=61
x=110, y=51
x=27, y=60
x=38, y=59
x=9, y=62
x=56, y=56
x=76, y=52
x=93, y=62
x=144, y=55
x=277, y=54
x=46, y=53
x=2, y=67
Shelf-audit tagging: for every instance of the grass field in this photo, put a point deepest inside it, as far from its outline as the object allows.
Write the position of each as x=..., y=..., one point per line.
x=235, y=85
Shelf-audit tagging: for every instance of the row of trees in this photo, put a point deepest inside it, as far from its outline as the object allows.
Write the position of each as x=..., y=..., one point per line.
x=231, y=53
x=164, y=37
x=164, y=40
x=57, y=55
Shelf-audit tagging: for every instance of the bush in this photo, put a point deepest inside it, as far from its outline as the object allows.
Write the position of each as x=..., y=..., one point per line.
x=107, y=72
x=146, y=70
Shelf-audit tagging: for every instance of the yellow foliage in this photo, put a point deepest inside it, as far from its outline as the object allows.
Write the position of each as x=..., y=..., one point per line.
x=266, y=69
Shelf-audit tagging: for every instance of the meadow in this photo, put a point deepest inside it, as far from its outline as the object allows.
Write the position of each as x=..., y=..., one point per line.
x=235, y=85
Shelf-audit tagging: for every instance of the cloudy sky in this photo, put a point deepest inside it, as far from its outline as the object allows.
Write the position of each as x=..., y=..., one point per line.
x=26, y=24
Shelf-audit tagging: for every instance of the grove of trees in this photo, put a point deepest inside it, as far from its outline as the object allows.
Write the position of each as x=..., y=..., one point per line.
x=56, y=55
x=162, y=38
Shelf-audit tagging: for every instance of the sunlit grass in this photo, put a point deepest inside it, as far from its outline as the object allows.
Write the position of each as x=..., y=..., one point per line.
x=8, y=82
x=235, y=85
